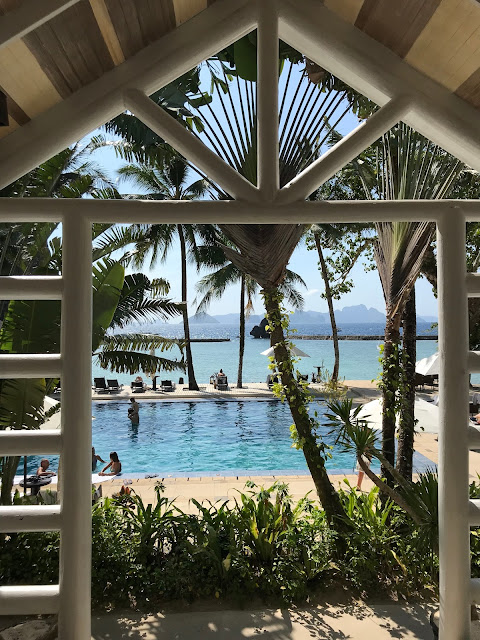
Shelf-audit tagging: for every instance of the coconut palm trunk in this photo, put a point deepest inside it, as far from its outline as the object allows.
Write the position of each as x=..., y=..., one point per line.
x=241, y=349
x=293, y=392
x=406, y=430
x=328, y=295
x=192, y=383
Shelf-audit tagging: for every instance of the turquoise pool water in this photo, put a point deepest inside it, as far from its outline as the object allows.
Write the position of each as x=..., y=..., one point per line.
x=227, y=437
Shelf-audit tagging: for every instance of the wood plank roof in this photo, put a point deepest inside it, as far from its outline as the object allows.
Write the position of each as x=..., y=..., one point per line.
x=439, y=38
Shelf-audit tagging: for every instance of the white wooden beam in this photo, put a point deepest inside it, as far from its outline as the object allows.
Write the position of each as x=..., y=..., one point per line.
x=22, y=365
x=29, y=600
x=75, y=482
x=20, y=442
x=31, y=287
x=233, y=212
x=149, y=70
x=29, y=15
x=453, y=438
x=344, y=151
x=268, y=174
x=473, y=285
x=189, y=146
x=378, y=73
x=29, y=518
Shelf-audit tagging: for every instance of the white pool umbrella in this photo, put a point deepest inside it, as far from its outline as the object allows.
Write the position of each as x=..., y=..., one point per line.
x=428, y=366
x=425, y=412
x=295, y=351
x=54, y=421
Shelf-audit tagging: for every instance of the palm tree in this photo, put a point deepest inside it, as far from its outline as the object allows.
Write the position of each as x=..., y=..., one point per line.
x=408, y=167
x=213, y=286
x=263, y=251
x=34, y=326
x=163, y=179
x=329, y=297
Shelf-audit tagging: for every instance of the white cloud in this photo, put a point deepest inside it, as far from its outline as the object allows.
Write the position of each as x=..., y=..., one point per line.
x=312, y=292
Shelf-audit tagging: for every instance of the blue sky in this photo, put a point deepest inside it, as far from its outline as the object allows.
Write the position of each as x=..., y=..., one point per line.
x=367, y=289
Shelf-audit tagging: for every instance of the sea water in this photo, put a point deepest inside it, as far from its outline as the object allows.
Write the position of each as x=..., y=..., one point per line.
x=359, y=359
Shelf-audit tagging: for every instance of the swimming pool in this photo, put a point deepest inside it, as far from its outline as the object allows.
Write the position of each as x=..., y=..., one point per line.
x=227, y=437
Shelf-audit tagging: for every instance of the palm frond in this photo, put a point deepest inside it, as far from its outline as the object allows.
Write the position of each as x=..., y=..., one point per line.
x=132, y=362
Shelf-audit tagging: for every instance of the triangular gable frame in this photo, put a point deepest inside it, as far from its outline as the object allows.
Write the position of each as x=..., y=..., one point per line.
x=354, y=57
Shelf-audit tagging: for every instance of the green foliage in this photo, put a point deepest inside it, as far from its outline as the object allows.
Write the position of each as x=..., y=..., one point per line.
x=382, y=552
x=261, y=545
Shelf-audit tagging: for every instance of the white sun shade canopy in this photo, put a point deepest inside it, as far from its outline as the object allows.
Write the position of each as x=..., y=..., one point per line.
x=295, y=351
x=54, y=421
x=428, y=366
x=425, y=412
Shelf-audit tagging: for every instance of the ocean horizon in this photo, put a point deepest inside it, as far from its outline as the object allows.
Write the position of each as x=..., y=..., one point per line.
x=359, y=359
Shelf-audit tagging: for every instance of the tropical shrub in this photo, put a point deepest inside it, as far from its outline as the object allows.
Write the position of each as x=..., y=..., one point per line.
x=261, y=546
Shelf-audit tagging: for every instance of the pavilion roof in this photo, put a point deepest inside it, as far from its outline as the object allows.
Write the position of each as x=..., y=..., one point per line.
x=83, y=43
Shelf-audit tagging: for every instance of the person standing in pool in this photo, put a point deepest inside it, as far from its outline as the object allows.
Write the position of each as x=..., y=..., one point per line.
x=133, y=412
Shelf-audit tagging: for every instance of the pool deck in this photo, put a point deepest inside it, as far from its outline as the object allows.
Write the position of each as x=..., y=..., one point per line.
x=361, y=389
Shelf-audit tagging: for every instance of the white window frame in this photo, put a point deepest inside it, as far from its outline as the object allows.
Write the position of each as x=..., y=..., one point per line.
x=402, y=93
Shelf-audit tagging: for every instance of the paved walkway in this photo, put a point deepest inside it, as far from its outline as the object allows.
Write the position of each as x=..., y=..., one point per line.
x=352, y=622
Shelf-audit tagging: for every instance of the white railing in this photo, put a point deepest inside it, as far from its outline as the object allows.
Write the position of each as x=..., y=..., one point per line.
x=71, y=598
x=402, y=93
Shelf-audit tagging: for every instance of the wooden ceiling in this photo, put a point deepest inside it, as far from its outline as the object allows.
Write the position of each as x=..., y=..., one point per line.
x=440, y=38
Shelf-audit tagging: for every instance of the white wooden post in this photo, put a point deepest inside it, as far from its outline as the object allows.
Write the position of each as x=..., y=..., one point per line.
x=267, y=97
x=453, y=432
x=76, y=454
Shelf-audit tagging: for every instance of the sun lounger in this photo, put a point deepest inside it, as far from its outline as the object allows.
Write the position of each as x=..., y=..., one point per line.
x=113, y=386
x=138, y=387
x=167, y=385
x=99, y=385
x=222, y=383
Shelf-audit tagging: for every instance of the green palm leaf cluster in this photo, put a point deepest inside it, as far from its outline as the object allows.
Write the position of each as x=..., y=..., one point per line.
x=406, y=166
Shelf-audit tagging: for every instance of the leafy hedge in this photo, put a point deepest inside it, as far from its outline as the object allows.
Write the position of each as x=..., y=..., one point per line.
x=263, y=546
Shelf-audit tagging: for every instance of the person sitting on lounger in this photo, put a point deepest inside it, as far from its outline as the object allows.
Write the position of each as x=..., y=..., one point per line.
x=114, y=465
x=42, y=470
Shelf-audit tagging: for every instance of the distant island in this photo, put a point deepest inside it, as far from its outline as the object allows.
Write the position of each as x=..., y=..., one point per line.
x=204, y=318
x=356, y=314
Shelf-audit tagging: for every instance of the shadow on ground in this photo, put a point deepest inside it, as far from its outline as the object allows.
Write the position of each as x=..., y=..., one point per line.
x=350, y=622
